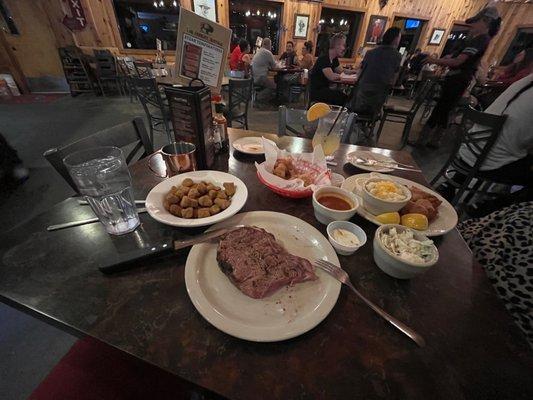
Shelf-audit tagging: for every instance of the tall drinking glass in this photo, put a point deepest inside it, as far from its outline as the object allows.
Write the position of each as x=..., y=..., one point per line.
x=102, y=177
x=330, y=143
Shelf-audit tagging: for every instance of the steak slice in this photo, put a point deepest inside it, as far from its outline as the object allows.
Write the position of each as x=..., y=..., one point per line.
x=258, y=265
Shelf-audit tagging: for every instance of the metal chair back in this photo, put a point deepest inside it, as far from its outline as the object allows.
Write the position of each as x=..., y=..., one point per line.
x=478, y=133
x=153, y=104
x=105, y=64
x=240, y=94
x=293, y=122
x=123, y=135
x=143, y=69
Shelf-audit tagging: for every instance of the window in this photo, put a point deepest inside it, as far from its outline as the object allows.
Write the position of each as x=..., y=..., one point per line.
x=6, y=20
x=334, y=21
x=141, y=22
x=457, y=35
x=522, y=40
x=249, y=19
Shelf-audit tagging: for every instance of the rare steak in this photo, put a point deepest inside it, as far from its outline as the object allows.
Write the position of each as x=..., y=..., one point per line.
x=258, y=265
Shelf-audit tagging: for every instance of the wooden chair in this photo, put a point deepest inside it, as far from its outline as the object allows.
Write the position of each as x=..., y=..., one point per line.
x=76, y=71
x=405, y=115
x=154, y=105
x=123, y=135
x=478, y=133
x=106, y=70
x=240, y=94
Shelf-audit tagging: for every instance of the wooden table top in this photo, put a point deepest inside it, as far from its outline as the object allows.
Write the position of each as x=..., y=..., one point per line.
x=473, y=350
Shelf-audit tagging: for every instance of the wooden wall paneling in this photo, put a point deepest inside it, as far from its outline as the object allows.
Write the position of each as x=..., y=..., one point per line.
x=55, y=13
x=9, y=64
x=35, y=47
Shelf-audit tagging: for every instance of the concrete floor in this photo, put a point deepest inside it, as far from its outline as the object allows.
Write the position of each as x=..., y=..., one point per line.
x=29, y=348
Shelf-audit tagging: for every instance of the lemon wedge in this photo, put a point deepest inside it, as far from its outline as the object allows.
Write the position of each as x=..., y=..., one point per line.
x=318, y=110
x=415, y=221
x=389, y=218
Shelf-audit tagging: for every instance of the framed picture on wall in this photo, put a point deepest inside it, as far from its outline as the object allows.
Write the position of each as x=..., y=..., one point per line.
x=301, y=25
x=206, y=9
x=376, y=29
x=436, y=36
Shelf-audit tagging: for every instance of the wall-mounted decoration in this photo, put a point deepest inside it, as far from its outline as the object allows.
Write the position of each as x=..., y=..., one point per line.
x=301, y=26
x=382, y=3
x=76, y=21
x=206, y=9
x=376, y=29
x=436, y=36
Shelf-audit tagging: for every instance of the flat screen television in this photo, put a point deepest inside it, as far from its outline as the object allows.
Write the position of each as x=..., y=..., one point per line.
x=412, y=23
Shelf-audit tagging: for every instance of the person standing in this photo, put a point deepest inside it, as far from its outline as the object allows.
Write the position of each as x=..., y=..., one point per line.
x=327, y=70
x=462, y=65
x=378, y=73
x=262, y=62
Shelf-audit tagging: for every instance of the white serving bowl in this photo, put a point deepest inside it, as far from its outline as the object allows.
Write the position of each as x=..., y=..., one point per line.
x=377, y=206
x=350, y=227
x=392, y=264
x=337, y=179
x=326, y=215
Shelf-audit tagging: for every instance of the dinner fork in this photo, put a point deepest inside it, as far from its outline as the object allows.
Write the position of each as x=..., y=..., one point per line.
x=384, y=164
x=342, y=276
x=372, y=160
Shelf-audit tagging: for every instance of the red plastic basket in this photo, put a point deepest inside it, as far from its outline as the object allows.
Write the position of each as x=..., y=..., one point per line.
x=293, y=194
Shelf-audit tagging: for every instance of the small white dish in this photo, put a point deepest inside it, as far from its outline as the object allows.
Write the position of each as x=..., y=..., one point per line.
x=250, y=145
x=326, y=215
x=394, y=265
x=379, y=206
x=341, y=249
x=370, y=155
x=337, y=179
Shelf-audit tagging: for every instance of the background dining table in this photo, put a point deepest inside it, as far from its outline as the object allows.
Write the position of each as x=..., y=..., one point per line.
x=473, y=350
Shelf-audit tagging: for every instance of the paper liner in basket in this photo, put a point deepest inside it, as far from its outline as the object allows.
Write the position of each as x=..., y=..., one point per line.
x=313, y=164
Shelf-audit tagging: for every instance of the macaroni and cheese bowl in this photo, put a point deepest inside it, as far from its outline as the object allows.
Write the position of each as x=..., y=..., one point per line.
x=384, y=196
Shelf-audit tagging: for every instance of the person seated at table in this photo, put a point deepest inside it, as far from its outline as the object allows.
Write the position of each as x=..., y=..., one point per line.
x=378, y=73
x=12, y=171
x=262, y=62
x=326, y=71
x=509, y=161
x=307, y=60
x=289, y=56
x=239, y=57
x=500, y=243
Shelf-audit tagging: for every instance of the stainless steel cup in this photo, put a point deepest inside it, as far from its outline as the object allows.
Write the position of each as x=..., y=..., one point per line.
x=178, y=157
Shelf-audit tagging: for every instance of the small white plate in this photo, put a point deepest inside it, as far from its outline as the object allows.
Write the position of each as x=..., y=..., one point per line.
x=250, y=145
x=289, y=312
x=445, y=221
x=154, y=200
x=370, y=155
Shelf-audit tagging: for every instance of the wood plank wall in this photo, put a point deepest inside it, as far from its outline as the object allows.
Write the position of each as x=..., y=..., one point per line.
x=102, y=31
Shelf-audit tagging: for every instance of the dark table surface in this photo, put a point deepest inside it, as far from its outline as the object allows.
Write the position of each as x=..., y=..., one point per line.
x=473, y=349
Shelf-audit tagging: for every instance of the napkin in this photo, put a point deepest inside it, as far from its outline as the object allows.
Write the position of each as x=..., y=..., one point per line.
x=313, y=163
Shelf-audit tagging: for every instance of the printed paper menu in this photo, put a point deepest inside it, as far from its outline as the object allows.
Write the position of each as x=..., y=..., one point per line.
x=202, y=46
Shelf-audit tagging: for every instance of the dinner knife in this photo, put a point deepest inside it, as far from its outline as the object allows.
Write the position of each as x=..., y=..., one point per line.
x=81, y=222
x=165, y=247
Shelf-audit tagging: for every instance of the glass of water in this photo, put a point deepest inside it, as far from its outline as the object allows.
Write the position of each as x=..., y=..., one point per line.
x=102, y=177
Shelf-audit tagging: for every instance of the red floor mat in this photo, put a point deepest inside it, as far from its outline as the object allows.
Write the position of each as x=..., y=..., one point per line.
x=92, y=370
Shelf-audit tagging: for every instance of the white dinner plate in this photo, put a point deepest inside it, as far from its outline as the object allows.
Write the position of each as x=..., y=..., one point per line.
x=370, y=155
x=250, y=145
x=154, y=200
x=287, y=313
x=445, y=221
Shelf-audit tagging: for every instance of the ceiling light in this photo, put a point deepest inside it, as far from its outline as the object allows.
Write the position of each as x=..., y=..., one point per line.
x=161, y=4
x=155, y=4
x=332, y=21
x=247, y=13
x=258, y=12
x=175, y=3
